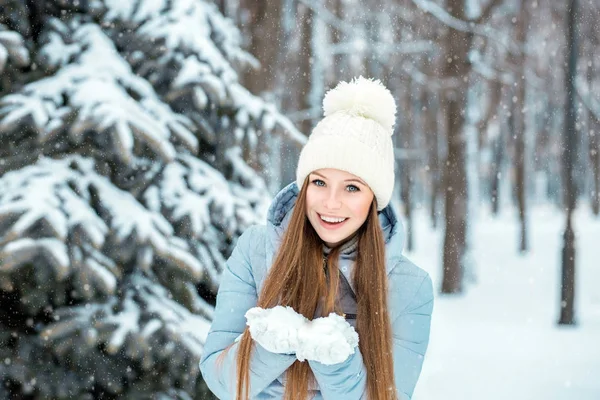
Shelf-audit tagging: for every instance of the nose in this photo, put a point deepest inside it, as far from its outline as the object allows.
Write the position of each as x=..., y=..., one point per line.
x=332, y=201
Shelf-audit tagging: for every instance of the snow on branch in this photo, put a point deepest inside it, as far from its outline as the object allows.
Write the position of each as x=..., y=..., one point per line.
x=207, y=210
x=95, y=94
x=487, y=71
x=199, y=49
x=12, y=47
x=195, y=25
x=201, y=202
x=145, y=325
x=252, y=107
x=62, y=215
x=430, y=82
x=444, y=17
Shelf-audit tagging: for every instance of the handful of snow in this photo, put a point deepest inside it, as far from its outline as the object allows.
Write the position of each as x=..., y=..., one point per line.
x=328, y=340
x=275, y=329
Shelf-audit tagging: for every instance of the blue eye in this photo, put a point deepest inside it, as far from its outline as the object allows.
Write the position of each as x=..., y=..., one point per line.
x=318, y=182
x=352, y=188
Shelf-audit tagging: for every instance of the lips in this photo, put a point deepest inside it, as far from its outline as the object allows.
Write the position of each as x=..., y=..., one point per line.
x=331, y=225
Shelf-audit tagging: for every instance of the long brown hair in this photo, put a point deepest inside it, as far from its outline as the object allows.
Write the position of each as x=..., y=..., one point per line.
x=297, y=279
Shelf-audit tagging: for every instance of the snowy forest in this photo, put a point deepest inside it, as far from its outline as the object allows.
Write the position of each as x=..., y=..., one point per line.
x=140, y=138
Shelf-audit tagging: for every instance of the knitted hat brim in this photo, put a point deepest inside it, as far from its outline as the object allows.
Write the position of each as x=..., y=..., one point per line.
x=352, y=156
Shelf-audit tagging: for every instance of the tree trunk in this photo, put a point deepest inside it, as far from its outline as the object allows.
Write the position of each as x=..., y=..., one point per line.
x=262, y=26
x=298, y=86
x=497, y=164
x=340, y=70
x=441, y=154
x=593, y=129
x=495, y=91
x=406, y=186
x=431, y=136
x=519, y=124
x=491, y=114
x=595, y=163
x=456, y=69
x=304, y=78
x=567, y=304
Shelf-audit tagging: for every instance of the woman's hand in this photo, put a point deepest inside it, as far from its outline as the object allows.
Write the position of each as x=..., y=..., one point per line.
x=328, y=340
x=275, y=329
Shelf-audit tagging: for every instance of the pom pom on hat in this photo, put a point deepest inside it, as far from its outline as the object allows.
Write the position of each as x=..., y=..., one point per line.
x=363, y=97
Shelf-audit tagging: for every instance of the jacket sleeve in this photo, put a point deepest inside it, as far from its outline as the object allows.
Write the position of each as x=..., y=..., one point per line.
x=345, y=380
x=236, y=295
x=410, y=340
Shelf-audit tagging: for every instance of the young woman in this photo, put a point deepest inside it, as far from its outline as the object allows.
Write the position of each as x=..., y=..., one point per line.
x=320, y=303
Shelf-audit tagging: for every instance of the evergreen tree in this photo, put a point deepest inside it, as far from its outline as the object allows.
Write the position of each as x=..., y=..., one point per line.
x=123, y=189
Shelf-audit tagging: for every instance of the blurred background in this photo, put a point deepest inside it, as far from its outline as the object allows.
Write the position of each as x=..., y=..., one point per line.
x=140, y=138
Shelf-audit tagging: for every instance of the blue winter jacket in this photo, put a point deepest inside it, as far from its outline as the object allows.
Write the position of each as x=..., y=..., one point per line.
x=410, y=306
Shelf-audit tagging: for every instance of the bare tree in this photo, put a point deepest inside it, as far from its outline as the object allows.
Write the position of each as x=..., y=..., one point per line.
x=261, y=21
x=298, y=80
x=405, y=140
x=519, y=129
x=593, y=121
x=455, y=71
x=455, y=179
x=567, y=304
x=496, y=140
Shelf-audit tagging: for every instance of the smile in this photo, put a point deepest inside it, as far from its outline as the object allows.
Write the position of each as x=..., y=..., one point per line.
x=331, y=222
x=331, y=219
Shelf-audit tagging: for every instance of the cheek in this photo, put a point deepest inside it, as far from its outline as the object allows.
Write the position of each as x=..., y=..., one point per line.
x=312, y=199
x=309, y=197
x=314, y=196
x=360, y=208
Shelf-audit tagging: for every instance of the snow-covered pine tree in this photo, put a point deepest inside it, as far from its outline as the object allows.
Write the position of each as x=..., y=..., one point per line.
x=122, y=192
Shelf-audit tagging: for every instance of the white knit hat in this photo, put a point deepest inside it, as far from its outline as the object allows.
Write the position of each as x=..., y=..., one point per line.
x=355, y=136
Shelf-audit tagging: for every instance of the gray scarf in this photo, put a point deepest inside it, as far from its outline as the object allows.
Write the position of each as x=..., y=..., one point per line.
x=347, y=248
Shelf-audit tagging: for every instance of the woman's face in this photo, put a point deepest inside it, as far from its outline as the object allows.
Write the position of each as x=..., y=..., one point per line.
x=337, y=204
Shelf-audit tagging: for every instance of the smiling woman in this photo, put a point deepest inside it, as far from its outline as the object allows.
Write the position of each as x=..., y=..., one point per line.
x=320, y=303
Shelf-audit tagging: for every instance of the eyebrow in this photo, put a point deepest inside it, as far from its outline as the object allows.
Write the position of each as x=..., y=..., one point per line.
x=347, y=180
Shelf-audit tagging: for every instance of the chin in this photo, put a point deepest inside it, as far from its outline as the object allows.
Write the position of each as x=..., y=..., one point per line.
x=333, y=238
x=329, y=240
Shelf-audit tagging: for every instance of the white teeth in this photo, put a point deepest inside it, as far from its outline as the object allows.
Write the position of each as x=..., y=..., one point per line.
x=328, y=219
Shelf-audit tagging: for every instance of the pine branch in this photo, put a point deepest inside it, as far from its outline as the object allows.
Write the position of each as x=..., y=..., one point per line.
x=150, y=330
x=112, y=112
x=53, y=206
x=199, y=78
x=122, y=191
x=12, y=48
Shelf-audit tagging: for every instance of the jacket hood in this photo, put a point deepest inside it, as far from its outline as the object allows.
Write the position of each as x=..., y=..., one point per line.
x=280, y=212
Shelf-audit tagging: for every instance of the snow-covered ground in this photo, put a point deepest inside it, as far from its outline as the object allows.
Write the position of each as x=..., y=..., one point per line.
x=500, y=339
